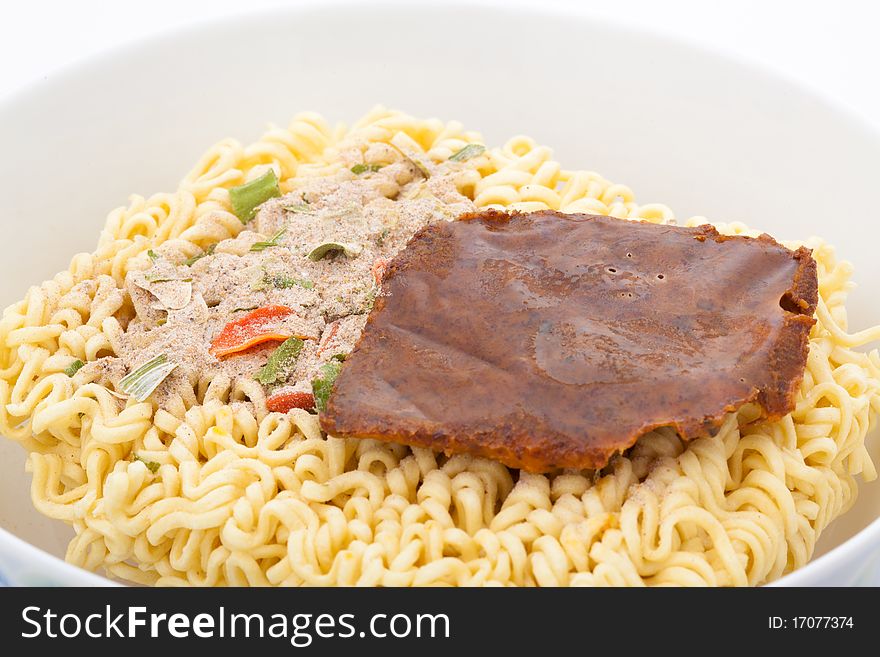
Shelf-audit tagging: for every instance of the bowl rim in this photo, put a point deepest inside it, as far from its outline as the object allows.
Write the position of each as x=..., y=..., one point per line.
x=91, y=64
x=48, y=564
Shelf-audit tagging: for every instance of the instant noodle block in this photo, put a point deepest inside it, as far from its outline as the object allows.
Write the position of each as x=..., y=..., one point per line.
x=223, y=476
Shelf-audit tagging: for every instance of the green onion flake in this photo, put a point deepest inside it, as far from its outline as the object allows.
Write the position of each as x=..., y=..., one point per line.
x=141, y=383
x=322, y=250
x=283, y=282
x=160, y=278
x=273, y=241
x=189, y=262
x=74, y=367
x=280, y=362
x=297, y=207
x=323, y=384
x=248, y=197
x=358, y=169
x=152, y=466
x=466, y=153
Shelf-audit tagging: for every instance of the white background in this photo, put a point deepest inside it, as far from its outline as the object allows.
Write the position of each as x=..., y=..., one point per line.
x=831, y=45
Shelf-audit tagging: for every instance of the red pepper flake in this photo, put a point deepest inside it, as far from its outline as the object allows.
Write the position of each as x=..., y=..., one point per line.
x=257, y=327
x=380, y=265
x=282, y=402
x=329, y=334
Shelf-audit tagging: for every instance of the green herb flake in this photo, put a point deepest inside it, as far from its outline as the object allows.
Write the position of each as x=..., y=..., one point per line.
x=284, y=282
x=421, y=166
x=74, y=367
x=189, y=262
x=331, y=248
x=322, y=385
x=466, y=153
x=273, y=241
x=141, y=383
x=280, y=282
x=341, y=213
x=243, y=310
x=380, y=240
x=261, y=283
x=358, y=169
x=153, y=255
x=152, y=466
x=247, y=198
x=340, y=357
x=367, y=306
x=280, y=362
x=302, y=208
x=160, y=278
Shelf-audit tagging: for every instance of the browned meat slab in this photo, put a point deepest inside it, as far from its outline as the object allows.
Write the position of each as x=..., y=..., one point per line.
x=548, y=340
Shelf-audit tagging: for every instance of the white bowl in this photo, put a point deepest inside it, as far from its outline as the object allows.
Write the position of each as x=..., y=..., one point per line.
x=680, y=125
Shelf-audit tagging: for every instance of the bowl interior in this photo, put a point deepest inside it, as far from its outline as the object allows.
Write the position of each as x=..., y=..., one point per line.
x=698, y=132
